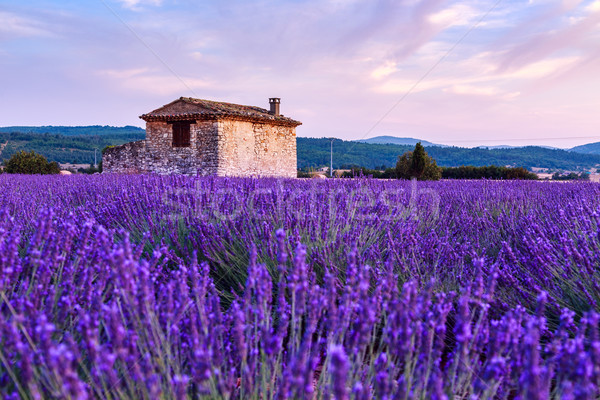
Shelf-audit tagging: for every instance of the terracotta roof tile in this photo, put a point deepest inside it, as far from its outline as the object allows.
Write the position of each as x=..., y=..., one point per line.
x=190, y=108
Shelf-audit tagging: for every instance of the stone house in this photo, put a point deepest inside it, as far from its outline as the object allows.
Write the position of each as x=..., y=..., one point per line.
x=202, y=137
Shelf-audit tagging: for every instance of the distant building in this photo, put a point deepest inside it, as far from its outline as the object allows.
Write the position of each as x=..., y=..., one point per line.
x=202, y=137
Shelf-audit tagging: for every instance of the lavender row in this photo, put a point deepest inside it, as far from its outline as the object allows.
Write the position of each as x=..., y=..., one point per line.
x=537, y=235
x=84, y=317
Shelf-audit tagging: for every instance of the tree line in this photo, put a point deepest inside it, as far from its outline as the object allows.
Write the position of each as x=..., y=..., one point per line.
x=63, y=149
x=572, y=176
x=419, y=165
x=487, y=172
x=315, y=153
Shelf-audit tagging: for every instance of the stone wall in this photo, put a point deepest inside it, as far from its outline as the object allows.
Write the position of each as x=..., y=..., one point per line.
x=127, y=158
x=225, y=147
x=256, y=149
x=198, y=159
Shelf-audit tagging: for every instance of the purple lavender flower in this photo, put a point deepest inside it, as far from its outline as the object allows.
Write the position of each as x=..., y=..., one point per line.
x=340, y=368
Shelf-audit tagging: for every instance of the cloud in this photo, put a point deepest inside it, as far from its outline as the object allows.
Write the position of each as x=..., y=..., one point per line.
x=473, y=90
x=123, y=74
x=406, y=85
x=465, y=86
x=389, y=29
x=485, y=91
x=137, y=4
x=564, y=37
x=477, y=76
x=542, y=69
x=455, y=15
x=593, y=7
x=388, y=68
x=145, y=80
x=13, y=25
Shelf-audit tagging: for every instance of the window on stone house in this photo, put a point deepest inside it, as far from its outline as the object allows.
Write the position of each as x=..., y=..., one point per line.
x=181, y=133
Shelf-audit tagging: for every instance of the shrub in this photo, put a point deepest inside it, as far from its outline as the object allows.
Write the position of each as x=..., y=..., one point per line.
x=486, y=172
x=106, y=148
x=30, y=163
x=386, y=173
x=584, y=176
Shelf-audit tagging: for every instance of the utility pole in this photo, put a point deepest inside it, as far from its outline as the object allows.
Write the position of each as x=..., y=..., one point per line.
x=331, y=170
x=95, y=160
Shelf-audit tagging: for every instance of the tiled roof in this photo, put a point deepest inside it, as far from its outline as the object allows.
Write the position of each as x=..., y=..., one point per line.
x=190, y=108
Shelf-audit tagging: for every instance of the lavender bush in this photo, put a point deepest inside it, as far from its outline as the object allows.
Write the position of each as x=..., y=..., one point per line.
x=174, y=287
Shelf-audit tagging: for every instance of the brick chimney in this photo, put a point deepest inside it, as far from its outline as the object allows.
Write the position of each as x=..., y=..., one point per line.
x=274, y=103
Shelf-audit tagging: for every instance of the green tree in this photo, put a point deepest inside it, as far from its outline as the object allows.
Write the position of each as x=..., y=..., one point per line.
x=403, y=166
x=417, y=164
x=418, y=161
x=30, y=163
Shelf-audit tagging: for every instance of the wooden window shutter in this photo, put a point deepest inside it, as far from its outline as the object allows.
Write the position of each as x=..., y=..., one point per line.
x=181, y=134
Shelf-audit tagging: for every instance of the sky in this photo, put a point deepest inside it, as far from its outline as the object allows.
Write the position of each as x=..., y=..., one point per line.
x=462, y=73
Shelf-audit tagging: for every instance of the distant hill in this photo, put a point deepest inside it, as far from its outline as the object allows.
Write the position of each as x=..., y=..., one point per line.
x=396, y=140
x=505, y=146
x=69, y=144
x=590, y=148
x=65, y=144
x=412, y=141
x=314, y=153
x=77, y=130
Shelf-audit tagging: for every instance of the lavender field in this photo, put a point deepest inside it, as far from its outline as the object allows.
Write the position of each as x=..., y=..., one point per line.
x=146, y=287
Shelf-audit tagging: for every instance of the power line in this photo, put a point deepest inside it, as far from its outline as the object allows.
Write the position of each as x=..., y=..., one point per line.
x=430, y=70
x=156, y=55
